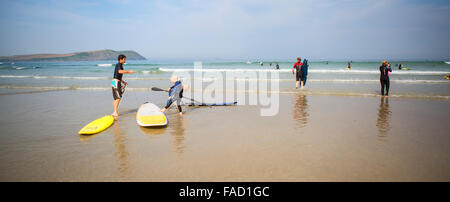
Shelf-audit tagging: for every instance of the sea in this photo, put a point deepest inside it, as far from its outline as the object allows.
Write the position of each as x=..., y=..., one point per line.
x=423, y=79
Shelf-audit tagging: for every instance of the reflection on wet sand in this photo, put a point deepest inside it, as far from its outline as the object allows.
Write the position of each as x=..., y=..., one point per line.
x=301, y=110
x=177, y=131
x=85, y=138
x=121, y=151
x=155, y=130
x=384, y=114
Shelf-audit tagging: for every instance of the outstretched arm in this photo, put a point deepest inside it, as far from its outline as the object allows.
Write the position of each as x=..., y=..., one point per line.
x=126, y=71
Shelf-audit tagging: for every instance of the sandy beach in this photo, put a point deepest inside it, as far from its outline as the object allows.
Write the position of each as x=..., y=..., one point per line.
x=313, y=138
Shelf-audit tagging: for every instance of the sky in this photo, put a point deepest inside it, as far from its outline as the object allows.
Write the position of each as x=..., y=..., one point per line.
x=231, y=29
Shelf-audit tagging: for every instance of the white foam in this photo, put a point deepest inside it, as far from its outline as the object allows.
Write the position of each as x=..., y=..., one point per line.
x=320, y=71
x=448, y=63
x=104, y=65
x=53, y=77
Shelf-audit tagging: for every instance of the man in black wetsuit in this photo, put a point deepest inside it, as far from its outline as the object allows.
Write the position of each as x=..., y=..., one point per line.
x=277, y=66
x=384, y=77
x=118, y=85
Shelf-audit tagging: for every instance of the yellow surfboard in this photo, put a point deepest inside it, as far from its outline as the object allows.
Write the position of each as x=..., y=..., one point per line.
x=149, y=114
x=97, y=126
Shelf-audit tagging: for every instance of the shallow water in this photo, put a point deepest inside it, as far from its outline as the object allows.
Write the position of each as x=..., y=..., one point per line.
x=313, y=138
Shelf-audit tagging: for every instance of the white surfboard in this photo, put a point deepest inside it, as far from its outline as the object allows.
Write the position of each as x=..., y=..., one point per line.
x=149, y=114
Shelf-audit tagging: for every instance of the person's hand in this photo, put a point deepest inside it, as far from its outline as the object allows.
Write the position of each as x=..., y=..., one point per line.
x=131, y=71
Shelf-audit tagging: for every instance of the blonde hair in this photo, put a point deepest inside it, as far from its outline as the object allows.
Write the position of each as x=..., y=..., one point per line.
x=174, y=78
x=384, y=63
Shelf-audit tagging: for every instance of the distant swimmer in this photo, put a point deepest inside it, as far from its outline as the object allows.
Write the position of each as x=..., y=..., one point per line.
x=384, y=77
x=277, y=66
x=326, y=62
x=261, y=63
x=349, y=66
x=298, y=74
x=118, y=85
x=175, y=94
x=270, y=64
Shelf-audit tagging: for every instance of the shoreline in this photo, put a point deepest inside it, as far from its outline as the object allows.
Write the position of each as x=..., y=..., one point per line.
x=306, y=91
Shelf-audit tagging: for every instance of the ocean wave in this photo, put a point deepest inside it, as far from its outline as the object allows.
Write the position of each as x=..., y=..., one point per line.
x=53, y=77
x=321, y=71
x=149, y=71
x=104, y=65
x=210, y=79
x=448, y=63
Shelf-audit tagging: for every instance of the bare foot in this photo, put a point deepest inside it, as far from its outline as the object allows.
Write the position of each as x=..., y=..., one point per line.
x=115, y=114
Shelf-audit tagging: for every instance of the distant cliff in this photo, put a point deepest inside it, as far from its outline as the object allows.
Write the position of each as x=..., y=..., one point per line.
x=78, y=56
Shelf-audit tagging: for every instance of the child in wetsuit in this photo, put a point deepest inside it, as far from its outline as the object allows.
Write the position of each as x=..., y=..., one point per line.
x=175, y=94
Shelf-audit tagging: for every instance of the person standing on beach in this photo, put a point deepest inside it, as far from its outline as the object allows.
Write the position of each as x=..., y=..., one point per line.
x=118, y=85
x=298, y=73
x=384, y=77
x=349, y=66
x=400, y=66
x=277, y=66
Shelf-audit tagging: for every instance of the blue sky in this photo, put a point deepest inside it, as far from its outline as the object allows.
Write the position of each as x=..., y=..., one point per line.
x=231, y=29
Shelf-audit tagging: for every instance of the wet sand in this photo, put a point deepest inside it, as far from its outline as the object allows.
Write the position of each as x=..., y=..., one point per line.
x=313, y=138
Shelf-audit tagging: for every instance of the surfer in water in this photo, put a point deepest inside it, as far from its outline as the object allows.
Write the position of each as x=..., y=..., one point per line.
x=175, y=94
x=384, y=77
x=277, y=66
x=298, y=74
x=118, y=85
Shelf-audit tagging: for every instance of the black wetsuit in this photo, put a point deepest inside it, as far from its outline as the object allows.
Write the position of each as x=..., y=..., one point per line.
x=117, y=75
x=175, y=94
x=384, y=79
x=278, y=66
